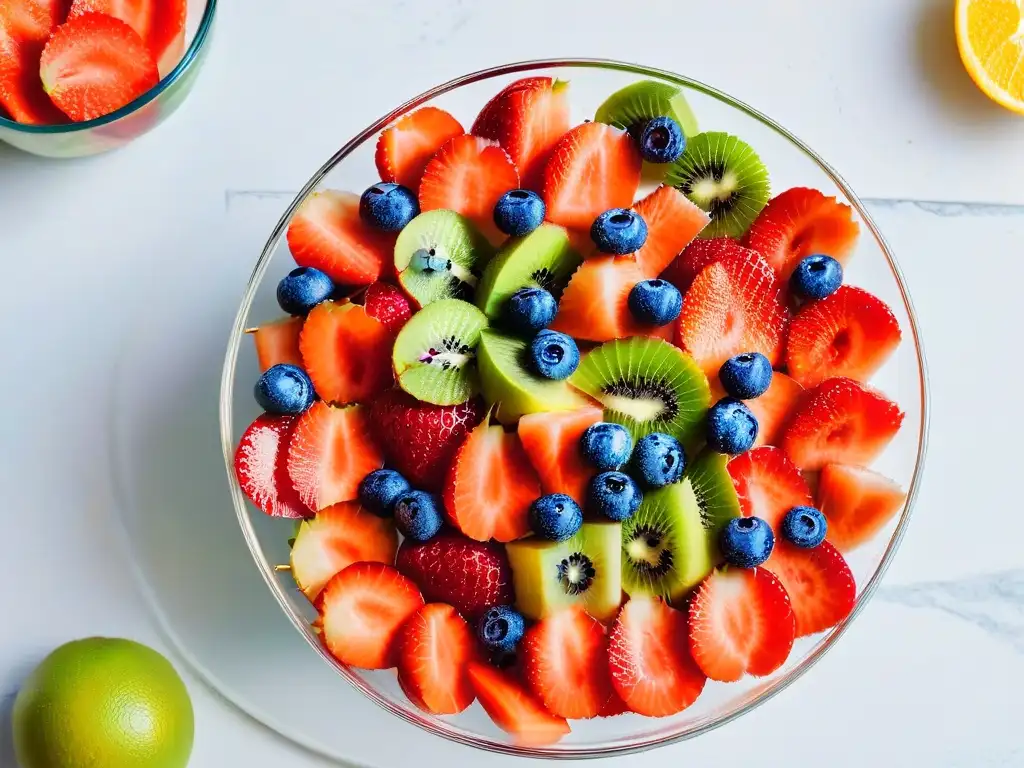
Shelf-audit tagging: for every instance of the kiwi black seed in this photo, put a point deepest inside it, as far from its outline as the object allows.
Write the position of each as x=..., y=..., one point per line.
x=714, y=490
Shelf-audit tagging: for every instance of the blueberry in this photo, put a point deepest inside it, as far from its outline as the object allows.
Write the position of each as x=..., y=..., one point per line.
x=530, y=310
x=732, y=427
x=614, y=495
x=746, y=376
x=606, y=445
x=619, y=230
x=302, y=289
x=746, y=542
x=804, y=526
x=501, y=628
x=380, y=489
x=418, y=515
x=655, y=302
x=658, y=459
x=284, y=388
x=554, y=355
x=662, y=140
x=519, y=212
x=555, y=516
x=816, y=277
x=388, y=206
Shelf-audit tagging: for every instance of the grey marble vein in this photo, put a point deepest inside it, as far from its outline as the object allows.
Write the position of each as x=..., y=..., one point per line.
x=945, y=208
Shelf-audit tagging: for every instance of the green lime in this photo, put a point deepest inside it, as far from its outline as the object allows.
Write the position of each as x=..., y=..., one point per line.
x=103, y=703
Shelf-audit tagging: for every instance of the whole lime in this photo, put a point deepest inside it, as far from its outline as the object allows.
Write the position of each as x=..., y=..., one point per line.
x=103, y=703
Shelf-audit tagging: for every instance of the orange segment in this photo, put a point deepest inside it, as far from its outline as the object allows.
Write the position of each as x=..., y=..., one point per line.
x=990, y=36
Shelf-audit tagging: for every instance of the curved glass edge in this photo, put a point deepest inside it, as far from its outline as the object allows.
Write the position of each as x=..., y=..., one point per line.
x=772, y=687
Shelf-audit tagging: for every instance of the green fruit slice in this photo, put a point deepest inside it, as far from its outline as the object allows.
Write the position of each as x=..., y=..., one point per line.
x=644, y=100
x=715, y=493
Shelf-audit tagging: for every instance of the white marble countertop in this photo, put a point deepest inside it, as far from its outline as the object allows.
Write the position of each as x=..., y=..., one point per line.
x=123, y=272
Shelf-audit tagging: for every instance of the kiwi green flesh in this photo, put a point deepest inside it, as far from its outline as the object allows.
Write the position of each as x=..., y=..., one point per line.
x=724, y=176
x=586, y=570
x=434, y=356
x=645, y=100
x=715, y=493
x=666, y=551
x=647, y=385
x=440, y=255
x=508, y=383
x=542, y=259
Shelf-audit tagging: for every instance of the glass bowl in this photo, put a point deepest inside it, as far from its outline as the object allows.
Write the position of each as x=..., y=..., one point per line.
x=790, y=163
x=133, y=120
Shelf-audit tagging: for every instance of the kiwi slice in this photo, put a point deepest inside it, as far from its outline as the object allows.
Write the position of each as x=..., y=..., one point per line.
x=435, y=353
x=585, y=569
x=716, y=495
x=440, y=255
x=647, y=385
x=723, y=175
x=508, y=382
x=665, y=549
x=542, y=259
x=639, y=102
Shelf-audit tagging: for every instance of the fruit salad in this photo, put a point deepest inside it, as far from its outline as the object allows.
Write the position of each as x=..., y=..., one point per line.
x=572, y=419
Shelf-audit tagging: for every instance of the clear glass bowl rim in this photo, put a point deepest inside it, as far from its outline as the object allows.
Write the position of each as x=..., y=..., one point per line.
x=201, y=36
x=266, y=569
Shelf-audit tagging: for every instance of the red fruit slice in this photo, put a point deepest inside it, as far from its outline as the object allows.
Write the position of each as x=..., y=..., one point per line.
x=615, y=706
x=331, y=451
x=741, y=622
x=346, y=353
x=32, y=20
x=327, y=233
x=160, y=24
x=592, y=168
x=362, y=610
x=672, y=222
x=527, y=118
x=491, y=485
x=774, y=408
x=649, y=657
x=434, y=651
x=94, y=65
x=468, y=175
x=385, y=303
x=405, y=148
x=840, y=421
x=819, y=582
x=552, y=443
x=278, y=342
x=733, y=306
x=857, y=503
x=21, y=91
x=850, y=333
x=514, y=709
x=565, y=663
x=699, y=254
x=261, y=467
x=338, y=536
x=800, y=222
x=768, y=485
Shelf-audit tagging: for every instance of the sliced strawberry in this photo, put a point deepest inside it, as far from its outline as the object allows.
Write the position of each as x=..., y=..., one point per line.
x=434, y=652
x=741, y=622
x=21, y=91
x=346, y=353
x=384, y=302
x=733, y=306
x=798, y=223
x=699, y=254
x=774, y=407
x=615, y=705
x=469, y=175
x=278, y=342
x=338, y=536
x=160, y=23
x=768, y=485
x=850, y=333
x=405, y=148
x=820, y=584
x=491, y=485
x=331, y=451
x=857, y=503
x=672, y=223
x=552, y=443
x=592, y=168
x=649, y=657
x=514, y=709
x=328, y=234
x=93, y=65
x=362, y=610
x=261, y=467
x=32, y=20
x=527, y=118
x=840, y=421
